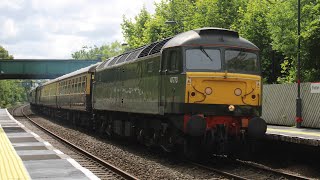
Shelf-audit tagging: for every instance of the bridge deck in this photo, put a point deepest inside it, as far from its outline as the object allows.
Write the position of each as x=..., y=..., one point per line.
x=40, y=68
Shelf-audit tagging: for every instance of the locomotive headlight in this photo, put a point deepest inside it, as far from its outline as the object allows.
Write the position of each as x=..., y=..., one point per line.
x=208, y=91
x=238, y=92
x=231, y=108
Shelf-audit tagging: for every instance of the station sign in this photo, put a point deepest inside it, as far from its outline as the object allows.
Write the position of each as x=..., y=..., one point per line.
x=315, y=87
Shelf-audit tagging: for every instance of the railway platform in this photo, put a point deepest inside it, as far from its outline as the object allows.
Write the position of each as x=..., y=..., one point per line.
x=304, y=136
x=24, y=155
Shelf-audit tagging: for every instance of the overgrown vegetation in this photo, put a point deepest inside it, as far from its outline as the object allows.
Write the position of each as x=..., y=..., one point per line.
x=270, y=24
x=103, y=52
x=11, y=91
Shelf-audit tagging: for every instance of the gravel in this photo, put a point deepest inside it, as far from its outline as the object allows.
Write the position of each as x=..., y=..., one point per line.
x=147, y=163
x=135, y=159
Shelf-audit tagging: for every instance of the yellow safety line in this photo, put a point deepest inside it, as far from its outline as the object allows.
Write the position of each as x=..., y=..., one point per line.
x=294, y=132
x=11, y=165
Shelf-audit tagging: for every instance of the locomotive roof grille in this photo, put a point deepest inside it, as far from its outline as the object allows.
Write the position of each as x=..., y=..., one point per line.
x=105, y=63
x=143, y=51
x=113, y=61
x=159, y=46
x=156, y=47
x=146, y=51
x=134, y=54
x=153, y=48
x=123, y=58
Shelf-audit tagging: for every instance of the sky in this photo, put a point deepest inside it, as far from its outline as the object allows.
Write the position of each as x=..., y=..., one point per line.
x=54, y=29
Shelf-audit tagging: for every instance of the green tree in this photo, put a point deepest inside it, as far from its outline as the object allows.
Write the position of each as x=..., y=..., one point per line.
x=187, y=15
x=310, y=42
x=104, y=52
x=11, y=91
x=133, y=31
x=218, y=13
x=4, y=54
x=252, y=24
x=282, y=25
x=270, y=24
x=178, y=12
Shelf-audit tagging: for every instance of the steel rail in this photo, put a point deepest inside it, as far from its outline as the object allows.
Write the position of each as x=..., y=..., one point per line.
x=95, y=158
x=218, y=171
x=244, y=177
x=284, y=174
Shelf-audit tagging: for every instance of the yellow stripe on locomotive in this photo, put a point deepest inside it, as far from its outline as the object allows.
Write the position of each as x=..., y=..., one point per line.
x=223, y=88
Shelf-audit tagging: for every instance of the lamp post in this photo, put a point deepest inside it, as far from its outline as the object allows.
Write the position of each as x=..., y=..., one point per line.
x=125, y=46
x=172, y=23
x=298, y=100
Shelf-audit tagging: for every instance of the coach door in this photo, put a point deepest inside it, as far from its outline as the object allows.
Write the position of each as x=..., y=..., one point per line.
x=171, y=64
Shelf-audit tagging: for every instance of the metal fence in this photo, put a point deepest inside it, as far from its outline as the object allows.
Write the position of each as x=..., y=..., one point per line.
x=279, y=105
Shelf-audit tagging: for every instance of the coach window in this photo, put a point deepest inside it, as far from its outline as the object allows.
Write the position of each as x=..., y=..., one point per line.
x=64, y=87
x=83, y=83
x=80, y=83
x=52, y=91
x=59, y=88
x=73, y=86
x=69, y=87
x=76, y=86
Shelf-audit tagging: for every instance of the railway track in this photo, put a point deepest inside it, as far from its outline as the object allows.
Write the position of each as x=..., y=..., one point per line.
x=98, y=166
x=233, y=169
x=237, y=169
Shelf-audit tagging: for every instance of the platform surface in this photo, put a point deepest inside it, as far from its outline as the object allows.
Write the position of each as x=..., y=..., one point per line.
x=305, y=136
x=24, y=155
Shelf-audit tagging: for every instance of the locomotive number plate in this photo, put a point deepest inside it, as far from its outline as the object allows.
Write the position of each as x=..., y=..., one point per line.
x=173, y=80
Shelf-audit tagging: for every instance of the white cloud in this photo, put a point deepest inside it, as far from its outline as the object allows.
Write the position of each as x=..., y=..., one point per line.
x=55, y=29
x=14, y=4
x=8, y=29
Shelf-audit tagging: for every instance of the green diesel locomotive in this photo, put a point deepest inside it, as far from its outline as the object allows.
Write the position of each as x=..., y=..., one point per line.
x=200, y=90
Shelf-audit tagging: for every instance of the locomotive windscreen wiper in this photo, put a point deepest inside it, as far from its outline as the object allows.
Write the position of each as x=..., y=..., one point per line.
x=205, y=52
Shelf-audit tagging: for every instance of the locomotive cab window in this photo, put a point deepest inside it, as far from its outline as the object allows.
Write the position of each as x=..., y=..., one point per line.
x=203, y=59
x=173, y=61
x=238, y=61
